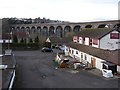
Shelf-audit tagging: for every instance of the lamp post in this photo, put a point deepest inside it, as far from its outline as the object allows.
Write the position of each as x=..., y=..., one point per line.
x=9, y=39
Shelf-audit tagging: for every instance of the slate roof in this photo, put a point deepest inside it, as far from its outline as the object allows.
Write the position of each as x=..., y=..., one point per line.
x=5, y=36
x=59, y=40
x=111, y=56
x=95, y=32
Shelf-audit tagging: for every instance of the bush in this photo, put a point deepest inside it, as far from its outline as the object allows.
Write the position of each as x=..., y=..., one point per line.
x=33, y=45
x=22, y=46
x=47, y=44
x=19, y=45
x=30, y=40
x=22, y=40
x=15, y=39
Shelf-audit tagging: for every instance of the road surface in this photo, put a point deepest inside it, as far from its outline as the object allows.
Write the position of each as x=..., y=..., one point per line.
x=35, y=69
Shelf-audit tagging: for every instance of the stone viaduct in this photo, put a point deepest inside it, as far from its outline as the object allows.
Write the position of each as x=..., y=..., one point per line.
x=61, y=29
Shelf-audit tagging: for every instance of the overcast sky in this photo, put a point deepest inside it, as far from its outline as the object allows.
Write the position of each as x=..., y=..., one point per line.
x=65, y=10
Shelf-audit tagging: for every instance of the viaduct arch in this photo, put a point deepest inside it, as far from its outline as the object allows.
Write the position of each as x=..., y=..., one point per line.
x=61, y=29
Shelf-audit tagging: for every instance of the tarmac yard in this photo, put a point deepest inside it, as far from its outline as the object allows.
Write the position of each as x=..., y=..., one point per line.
x=35, y=69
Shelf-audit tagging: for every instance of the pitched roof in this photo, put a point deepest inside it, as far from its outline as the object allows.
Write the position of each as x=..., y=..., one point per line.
x=22, y=34
x=95, y=32
x=5, y=36
x=59, y=40
x=111, y=56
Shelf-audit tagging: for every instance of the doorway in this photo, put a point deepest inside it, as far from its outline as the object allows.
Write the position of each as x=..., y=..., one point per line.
x=93, y=62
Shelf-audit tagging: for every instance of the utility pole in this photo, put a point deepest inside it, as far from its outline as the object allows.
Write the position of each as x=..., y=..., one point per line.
x=10, y=38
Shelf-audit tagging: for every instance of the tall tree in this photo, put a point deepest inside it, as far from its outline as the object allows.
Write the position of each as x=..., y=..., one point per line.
x=15, y=39
x=30, y=40
x=22, y=40
x=36, y=39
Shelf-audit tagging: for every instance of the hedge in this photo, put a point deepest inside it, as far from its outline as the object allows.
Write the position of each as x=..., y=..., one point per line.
x=21, y=46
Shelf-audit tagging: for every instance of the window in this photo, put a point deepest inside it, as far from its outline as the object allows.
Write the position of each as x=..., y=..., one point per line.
x=117, y=42
x=83, y=40
x=104, y=66
x=95, y=41
x=75, y=39
x=72, y=51
x=90, y=41
x=85, y=57
x=66, y=49
x=69, y=51
x=76, y=52
x=3, y=41
x=81, y=55
x=114, y=35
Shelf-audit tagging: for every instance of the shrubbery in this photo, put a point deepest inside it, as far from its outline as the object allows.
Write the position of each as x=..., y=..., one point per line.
x=23, y=44
x=36, y=39
x=15, y=39
x=30, y=40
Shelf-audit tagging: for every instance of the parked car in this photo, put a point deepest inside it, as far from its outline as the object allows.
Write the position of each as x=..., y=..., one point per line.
x=57, y=46
x=46, y=49
x=62, y=48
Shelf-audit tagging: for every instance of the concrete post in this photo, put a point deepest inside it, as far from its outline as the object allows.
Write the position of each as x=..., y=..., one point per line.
x=119, y=10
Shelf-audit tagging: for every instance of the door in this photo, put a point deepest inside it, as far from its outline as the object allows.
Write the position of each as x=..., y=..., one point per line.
x=93, y=62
